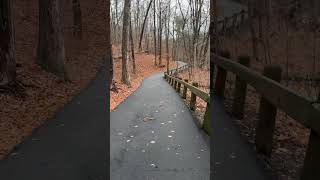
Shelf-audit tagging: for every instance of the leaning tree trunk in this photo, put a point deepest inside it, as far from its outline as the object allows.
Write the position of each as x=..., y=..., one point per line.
x=77, y=19
x=126, y=17
x=7, y=49
x=143, y=25
x=51, y=52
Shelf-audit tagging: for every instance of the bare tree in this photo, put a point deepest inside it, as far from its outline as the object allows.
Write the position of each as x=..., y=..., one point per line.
x=51, y=52
x=160, y=33
x=7, y=47
x=167, y=34
x=155, y=32
x=251, y=16
x=77, y=19
x=108, y=56
x=126, y=18
x=132, y=49
x=144, y=23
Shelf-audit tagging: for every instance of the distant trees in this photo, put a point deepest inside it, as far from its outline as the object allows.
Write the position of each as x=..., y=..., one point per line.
x=182, y=35
x=125, y=65
x=144, y=24
x=51, y=51
x=7, y=48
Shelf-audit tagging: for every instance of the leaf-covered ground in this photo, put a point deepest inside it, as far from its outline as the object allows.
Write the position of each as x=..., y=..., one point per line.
x=46, y=94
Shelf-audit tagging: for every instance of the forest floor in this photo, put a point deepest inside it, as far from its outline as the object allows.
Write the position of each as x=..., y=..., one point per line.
x=301, y=65
x=46, y=94
x=144, y=68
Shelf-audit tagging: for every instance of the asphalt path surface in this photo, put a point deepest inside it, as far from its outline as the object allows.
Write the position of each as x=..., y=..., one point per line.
x=153, y=136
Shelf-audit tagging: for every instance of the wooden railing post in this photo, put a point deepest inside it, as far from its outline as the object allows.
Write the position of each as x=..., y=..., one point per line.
x=175, y=84
x=226, y=24
x=185, y=89
x=242, y=16
x=221, y=76
x=179, y=86
x=206, y=121
x=193, y=100
x=267, y=115
x=220, y=82
x=240, y=91
x=310, y=170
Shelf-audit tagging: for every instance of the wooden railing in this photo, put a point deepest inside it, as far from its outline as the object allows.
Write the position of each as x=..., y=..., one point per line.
x=182, y=87
x=273, y=96
x=178, y=70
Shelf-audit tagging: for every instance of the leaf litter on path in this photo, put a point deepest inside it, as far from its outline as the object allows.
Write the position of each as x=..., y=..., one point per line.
x=147, y=119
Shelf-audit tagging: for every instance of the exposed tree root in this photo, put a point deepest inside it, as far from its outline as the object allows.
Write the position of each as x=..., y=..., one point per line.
x=113, y=87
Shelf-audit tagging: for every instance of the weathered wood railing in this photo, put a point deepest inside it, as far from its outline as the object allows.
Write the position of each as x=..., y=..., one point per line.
x=273, y=96
x=178, y=70
x=179, y=84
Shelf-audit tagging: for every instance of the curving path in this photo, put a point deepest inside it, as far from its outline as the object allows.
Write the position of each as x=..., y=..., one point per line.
x=153, y=135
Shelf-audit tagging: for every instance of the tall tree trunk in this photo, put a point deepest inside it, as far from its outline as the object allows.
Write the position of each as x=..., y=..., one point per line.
x=167, y=42
x=155, y=32
x=117, y=23
x=7, y=46
x=214, y=41
x=77, y=19
x=160, y=34
x=143, y=25
x=132, y=49
x=108, y=56
x=251, y=16
x=126, y=17
x=51, y=52
x=146, y=39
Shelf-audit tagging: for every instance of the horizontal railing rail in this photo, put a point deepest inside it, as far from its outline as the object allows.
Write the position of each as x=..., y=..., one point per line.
x=201, y=94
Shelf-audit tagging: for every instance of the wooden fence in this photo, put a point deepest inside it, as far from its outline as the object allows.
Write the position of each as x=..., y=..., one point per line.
x=273, y=96
x=182, y=87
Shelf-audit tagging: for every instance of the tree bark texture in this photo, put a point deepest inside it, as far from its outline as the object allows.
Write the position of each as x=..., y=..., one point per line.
x=7, y=46
x=77, y=19
x=125, y=30
x=51, y=51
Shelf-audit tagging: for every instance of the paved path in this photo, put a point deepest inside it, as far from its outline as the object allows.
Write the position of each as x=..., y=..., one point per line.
x=168, y=147
x=232, y=158
x=71, y=146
